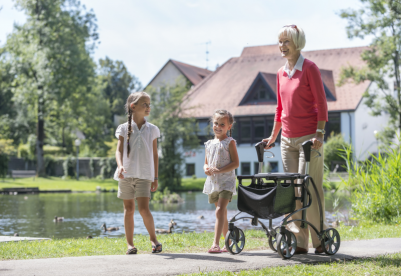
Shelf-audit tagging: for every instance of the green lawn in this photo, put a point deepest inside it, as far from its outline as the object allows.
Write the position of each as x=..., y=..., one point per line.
x=389, y=264
x=56, y=183
x=174, y=243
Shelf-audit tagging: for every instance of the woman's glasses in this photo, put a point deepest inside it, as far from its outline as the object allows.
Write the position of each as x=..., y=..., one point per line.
x=292, y=26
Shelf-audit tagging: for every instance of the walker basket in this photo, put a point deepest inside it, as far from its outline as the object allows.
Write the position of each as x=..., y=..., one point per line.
x=268, y=200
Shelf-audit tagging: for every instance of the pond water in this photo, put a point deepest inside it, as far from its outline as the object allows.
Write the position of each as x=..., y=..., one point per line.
x=84, y=213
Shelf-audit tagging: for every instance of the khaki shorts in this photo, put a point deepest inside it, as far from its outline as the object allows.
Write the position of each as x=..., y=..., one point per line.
x=129, y=188
x=214, y=197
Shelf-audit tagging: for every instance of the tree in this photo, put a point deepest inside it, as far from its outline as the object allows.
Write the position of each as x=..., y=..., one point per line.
x=382, y=20
x=118, y=84
x=50, y=58
x=178, y=132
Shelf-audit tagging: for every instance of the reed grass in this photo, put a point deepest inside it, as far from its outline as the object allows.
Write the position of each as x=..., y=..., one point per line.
x=375, y=185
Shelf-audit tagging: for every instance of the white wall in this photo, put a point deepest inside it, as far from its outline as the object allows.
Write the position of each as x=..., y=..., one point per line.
x=365, y=141
x=246, y=153
x=168, y=76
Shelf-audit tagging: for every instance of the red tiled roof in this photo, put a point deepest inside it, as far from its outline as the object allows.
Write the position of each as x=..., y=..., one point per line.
x=226, y=87
x=194, y=74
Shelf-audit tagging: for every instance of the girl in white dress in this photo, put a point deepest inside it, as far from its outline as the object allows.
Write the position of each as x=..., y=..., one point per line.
x=221, y=160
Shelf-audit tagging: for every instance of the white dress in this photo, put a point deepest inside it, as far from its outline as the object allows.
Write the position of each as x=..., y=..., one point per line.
x=218, y=156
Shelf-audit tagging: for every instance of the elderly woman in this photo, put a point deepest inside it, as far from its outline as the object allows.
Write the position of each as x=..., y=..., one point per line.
x=301, y=113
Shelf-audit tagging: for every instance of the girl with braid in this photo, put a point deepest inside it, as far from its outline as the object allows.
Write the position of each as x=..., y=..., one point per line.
x=221, y=160
x=137, y=161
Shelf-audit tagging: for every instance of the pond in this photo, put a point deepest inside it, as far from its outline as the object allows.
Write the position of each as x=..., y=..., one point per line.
x=84, y=213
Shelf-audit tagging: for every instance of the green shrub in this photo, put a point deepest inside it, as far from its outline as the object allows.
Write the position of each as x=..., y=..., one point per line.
x=333, y=148
x=107, y=167
x=68, y=167
x=6, y=149
x=54, y=150
x=375, y=186
x=166, y=197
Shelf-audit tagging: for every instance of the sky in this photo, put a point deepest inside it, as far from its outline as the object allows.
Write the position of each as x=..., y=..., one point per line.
x=146, y=34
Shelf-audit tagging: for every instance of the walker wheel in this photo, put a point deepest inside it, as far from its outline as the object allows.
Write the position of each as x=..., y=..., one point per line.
x=273, y=243
x=331, y=241
x=235, y=241
x=284, y=243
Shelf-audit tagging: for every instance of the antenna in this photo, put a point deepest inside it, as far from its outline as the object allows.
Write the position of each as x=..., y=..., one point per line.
x=207, y=54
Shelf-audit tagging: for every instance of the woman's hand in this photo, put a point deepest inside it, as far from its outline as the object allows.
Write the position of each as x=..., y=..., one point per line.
x=317, y=140
x=154, y=186
x=120, y=172
x=269, y=141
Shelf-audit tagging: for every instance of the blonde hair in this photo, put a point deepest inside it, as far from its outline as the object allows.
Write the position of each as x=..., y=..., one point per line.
x=295, y=33
x=132, y=99
x=223, y=113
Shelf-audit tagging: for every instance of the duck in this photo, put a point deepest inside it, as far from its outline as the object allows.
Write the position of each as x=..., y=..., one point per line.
x=201, y=217
x=336, y=223
x=110, y=228
x=164, y=231
x=173, y=222
x=57, y=219
x=89, y=237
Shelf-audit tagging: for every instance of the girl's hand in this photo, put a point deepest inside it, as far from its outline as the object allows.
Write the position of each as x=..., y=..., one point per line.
x=269, y=141
x=207, y=170
x=317, y=140
x=154, y=186
x=120, y=172
x=214, y=170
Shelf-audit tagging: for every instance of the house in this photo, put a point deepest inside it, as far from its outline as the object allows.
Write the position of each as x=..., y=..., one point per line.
x=246, y=86
x=174, y=71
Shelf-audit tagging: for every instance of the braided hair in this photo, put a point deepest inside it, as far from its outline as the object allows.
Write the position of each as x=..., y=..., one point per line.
x=223, y=113
x=132, y=99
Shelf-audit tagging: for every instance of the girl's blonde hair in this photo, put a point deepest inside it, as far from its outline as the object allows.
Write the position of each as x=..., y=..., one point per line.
x=223, y=113
x=132, y=99
x=295, y=33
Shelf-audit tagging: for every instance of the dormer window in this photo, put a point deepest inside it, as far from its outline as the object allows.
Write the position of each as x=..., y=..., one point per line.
x=261, y=91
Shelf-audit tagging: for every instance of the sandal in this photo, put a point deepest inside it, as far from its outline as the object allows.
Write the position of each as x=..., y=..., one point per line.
x=131, y=250
x=155, y=250
x=214, y=249
x=224, y=249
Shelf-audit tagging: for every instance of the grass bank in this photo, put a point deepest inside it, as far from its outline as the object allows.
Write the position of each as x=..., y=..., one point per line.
x=56, y=183
x=389, y=264
x=174, y=243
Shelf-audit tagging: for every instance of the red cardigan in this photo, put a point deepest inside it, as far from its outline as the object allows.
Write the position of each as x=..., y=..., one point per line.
x=301, y=101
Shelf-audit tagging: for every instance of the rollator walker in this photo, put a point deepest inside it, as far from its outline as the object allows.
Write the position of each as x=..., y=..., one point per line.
x=272, y=195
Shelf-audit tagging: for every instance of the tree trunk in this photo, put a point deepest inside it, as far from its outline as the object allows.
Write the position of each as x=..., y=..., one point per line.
x=398, y=84
x=40, y=166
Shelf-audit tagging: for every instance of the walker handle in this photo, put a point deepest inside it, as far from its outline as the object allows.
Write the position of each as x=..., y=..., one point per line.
x=260, y=149
x=307, y=145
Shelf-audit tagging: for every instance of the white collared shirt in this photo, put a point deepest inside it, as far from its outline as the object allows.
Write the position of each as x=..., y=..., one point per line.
x=140, y=162
x=298, y=66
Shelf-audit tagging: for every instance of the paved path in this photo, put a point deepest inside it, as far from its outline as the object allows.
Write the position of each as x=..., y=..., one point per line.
x=173, y=264
x=12, y=238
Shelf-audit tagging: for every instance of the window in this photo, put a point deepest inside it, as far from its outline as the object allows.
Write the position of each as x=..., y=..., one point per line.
x=333, y=125
x=245, y=130
x=204, y=132
x=255, y=167
x=190, y=169
x=245, y=168
x=273, y=166
x=258, y=129
x=261, y=92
